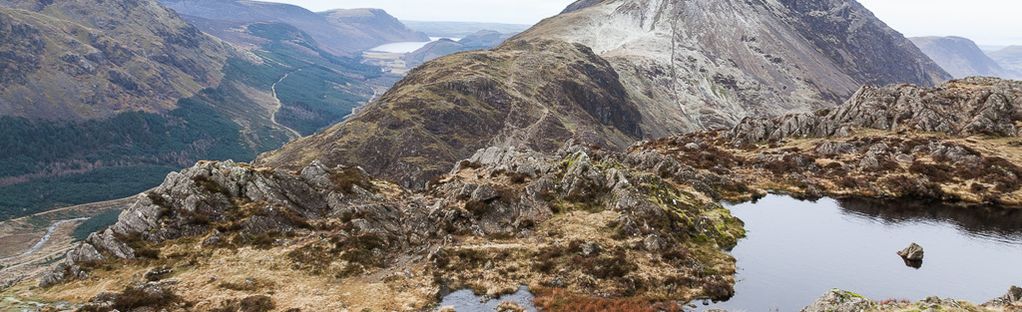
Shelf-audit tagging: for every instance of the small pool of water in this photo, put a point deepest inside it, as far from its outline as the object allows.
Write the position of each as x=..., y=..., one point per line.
x=466, y=301
x=796, y=250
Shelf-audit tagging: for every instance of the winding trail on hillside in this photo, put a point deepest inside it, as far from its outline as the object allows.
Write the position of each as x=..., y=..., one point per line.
x=49, y=233
x=280, y=105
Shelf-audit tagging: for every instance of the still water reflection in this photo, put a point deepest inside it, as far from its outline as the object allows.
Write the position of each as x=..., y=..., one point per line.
x=797, y=250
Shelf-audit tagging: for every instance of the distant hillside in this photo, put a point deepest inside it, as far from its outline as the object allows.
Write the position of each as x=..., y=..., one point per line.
x=960, y=57
x=462, y=29
x=340, y=32
x=77, y=60
x=100, y=99
x=373, y=26
x=484, y=39
x=1010, y=58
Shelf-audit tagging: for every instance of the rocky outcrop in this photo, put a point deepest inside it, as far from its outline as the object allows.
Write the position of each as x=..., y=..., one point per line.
x=590, y=222
x=960, y=57
x=845, y=301
x=1011, y=299
x=971, y=106
x=951, y=144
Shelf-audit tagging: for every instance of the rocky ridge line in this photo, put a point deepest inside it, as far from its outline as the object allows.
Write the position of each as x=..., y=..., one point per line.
x=590, y=222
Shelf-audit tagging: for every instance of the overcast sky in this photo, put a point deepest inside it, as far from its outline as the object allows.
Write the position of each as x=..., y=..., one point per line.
x=988, y=22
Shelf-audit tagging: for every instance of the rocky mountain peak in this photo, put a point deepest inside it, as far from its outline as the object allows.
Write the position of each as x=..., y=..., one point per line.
x=674, y=67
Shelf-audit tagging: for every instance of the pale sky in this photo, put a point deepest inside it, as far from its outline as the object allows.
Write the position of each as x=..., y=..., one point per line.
x=988, y=22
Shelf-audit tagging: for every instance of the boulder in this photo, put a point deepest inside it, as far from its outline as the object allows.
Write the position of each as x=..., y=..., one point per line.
x=913, y=252
x=837, y=300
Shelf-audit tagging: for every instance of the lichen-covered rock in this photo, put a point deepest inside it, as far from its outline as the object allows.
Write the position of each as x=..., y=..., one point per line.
x=837, y=300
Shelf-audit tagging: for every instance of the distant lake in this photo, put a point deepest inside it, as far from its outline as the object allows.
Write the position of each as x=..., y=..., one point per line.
x=405, y=47
x=795, y=251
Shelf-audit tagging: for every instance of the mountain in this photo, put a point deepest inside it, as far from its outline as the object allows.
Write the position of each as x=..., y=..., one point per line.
x=340, y=32
x=665, y=67
x=373, y=26
x=483, y=39
x=530, y=93
x=1010, y=58
x=960, y=57
x=101, y=99
x=462, y=29
x=69, y=61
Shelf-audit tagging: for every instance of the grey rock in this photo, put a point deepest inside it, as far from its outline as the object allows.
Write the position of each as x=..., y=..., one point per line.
x=970, y=106
x=913, y=252
x=837, y=300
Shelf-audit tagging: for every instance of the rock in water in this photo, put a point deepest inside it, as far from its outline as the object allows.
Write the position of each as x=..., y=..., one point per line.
x=913, y=252
x=913, y=255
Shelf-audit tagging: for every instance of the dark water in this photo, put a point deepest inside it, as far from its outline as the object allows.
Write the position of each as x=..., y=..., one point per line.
x=796, y=250
x=466, y=301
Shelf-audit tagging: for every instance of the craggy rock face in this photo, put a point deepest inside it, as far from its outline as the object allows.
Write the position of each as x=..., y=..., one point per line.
x=580, y=224
x=973, y=106
x=956, y=143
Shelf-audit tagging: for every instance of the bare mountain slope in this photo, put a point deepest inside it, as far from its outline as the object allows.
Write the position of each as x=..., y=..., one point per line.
x=681, y=65
x=714, y=62
x=532, y=94
x=85, y=59
x=371, y=26
x=101, y=99
x=960, y=57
